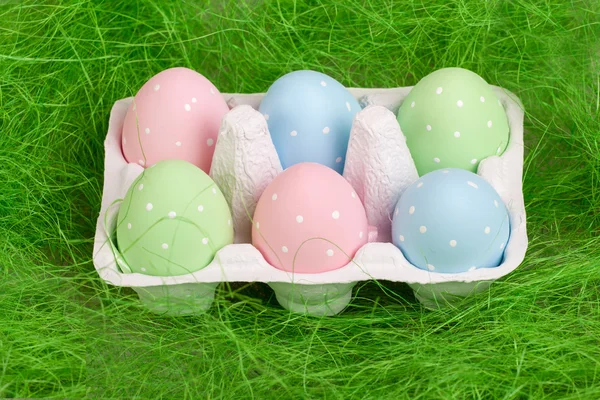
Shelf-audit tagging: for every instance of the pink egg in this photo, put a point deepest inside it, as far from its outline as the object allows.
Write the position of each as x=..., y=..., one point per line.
x=175, y=115
x=309, y=220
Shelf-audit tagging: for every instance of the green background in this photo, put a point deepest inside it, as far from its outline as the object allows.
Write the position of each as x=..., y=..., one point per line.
x=63, y=333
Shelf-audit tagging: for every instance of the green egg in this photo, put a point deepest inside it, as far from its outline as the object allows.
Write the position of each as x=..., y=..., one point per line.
x=173, y=220
x=453, y=119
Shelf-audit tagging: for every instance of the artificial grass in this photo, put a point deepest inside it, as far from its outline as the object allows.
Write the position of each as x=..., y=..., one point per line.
x=535, y=334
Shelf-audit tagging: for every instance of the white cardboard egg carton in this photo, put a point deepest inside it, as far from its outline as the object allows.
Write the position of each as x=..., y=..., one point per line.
x=379, y=167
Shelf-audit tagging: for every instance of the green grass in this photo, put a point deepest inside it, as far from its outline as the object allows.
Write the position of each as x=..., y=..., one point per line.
x=63, y=333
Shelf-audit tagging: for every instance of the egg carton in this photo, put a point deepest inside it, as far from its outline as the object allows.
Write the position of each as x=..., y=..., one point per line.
x=379, y=167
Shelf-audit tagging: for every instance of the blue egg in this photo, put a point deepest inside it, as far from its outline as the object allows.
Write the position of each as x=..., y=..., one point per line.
x=309, y=115
x=451, y=221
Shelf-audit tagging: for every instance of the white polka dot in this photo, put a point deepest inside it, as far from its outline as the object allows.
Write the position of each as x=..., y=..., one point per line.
x=194, y=100
x=457, y=134
x=487, y=230
x=489, y=124
x=178, y=144
x=141, y=186
x=124, y=140
x=187, y=107
x=496, y=203
x=474, y=161
x=439, y=90
x=323, y=83
x=257, y=225
x=472, y=269
x=172, y=214
x=412, y=105
x=129, y=226
x=284, y=249
x=353, y=195
x=156, y=87
x=274, y=197
x=430, y=267
x=326, y=130
x=453, y=243
x=459, y=103
x=143, y=269
x=436, y=160
x=428, y=127
x=299, y=219
x=228, y=222
x=396, y=212
x=141, y=162
x=401, y=237
x=165, y=246
x=419, y=184
x=411, y=210
x=482, y=99
x=472, y=184
x=214, y=190
x=293, y=133
x=149, y=206
x=210, y=142
x=422, y=229
x=348, y=106
x=338, y=160
x=335, y=214
x=330, y=252
x=266, y=116
x=147, y=130
x=200, y=208
x=212, y=91
x=360, y=234
x=499, y=150
x=205, y=241
x=502, y=245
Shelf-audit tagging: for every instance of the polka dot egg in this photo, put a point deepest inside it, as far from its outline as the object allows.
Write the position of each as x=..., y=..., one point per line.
x=309, y=115
x=451, y=221
x=173, y=220
x=309, y=220
x=453, y=119
x=175, y=115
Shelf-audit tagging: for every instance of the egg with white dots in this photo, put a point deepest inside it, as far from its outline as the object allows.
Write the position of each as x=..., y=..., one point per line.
x=306, y=221
x=175, y=115
x=170, y=223
x=452, y=118
x=310, y=115
x=460, y=223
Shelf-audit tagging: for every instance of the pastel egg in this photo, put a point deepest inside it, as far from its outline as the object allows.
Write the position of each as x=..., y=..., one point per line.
x=451, y=221
x=309, y=115
x=309, y=220
x=453, y=119
x=175, y=115
x=173, y=220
